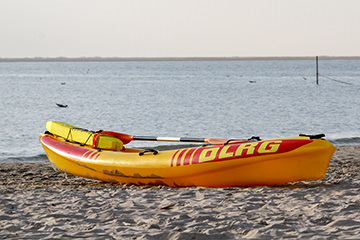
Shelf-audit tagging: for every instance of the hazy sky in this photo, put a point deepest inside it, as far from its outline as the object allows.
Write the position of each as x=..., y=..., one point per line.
x=179, y=28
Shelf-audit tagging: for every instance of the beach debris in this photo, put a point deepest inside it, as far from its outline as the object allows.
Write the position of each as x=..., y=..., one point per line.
x=263, y=222
x=168, y=206
x=154, y=226
x=224, y=200
x=61, y=105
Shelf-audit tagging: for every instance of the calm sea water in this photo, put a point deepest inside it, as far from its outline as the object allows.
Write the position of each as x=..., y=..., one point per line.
x=228, y=99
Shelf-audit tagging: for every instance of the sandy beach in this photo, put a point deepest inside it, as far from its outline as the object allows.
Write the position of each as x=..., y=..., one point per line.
x=39, y=203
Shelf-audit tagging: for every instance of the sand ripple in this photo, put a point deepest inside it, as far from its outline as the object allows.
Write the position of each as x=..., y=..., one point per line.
x=39, y=203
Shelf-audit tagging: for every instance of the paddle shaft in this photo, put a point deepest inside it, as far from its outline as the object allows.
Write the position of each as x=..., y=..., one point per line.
x=128, y=138
x=187, y=139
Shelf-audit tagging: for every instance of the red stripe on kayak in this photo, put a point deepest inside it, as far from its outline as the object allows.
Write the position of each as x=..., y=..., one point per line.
x=195, y=158
x=188, y=156
x=64, y=147
x=173, y=158
x=178, y=162
x=92, y=155
x=87, y=154
x=97, y=155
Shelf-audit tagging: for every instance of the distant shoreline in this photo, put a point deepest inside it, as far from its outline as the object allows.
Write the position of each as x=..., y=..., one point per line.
x=134, y=59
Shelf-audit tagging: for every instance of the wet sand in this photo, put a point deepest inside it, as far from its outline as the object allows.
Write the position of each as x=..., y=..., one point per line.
x=39, y=203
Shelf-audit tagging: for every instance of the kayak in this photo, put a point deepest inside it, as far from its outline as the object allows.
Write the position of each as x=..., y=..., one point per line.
x=101, y=155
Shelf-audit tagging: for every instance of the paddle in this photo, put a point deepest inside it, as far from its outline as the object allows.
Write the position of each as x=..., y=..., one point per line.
x=125, y=138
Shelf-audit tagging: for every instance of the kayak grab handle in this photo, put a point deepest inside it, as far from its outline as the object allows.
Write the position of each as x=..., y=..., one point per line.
x=148, y=150
x=253, y=138
x=317, y=136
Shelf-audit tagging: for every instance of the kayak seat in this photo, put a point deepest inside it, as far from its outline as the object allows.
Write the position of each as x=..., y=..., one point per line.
x=102, y=141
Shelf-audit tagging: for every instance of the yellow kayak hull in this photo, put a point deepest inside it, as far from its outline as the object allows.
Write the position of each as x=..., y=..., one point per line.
x=267, y=162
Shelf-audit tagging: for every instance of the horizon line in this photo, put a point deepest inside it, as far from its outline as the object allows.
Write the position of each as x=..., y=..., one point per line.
x=124, y=59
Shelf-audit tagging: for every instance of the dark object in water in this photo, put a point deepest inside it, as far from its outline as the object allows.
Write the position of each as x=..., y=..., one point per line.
x=61, y=105
x=252, y=81
x=63, y=83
